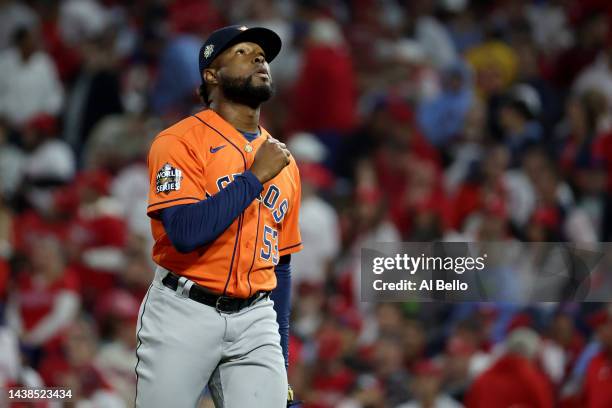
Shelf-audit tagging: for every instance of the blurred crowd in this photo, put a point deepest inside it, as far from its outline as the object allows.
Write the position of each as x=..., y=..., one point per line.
x=462, y=120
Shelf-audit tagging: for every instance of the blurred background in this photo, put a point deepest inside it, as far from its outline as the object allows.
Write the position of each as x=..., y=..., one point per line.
x=464, y=120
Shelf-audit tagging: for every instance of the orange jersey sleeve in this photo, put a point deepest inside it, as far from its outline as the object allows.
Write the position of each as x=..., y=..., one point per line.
x=290, y=239
x=176, y=174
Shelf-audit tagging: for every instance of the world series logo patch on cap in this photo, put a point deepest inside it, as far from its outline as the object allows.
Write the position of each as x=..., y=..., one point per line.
x=209, y=50
x=168, y=179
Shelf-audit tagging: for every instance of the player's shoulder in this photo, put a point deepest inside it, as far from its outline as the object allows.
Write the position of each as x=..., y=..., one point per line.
x=292, y=175
x=295, y=171
x=189, y=129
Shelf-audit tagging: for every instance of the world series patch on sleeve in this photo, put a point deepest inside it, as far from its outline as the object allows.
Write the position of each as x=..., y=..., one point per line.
x=168, y=179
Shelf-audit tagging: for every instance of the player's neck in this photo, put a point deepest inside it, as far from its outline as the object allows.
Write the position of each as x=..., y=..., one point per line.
x=242, y=117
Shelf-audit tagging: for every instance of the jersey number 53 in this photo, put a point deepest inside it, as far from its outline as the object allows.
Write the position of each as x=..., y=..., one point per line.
x=270, y=245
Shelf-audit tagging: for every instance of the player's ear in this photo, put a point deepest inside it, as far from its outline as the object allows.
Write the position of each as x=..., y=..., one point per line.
x=210, y=76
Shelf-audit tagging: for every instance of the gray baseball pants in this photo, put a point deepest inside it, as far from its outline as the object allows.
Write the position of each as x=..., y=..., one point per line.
x=184, y=345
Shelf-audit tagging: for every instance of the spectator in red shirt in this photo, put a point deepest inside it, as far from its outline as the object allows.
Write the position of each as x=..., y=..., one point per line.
x=602, y=151
x=4, y=275
x=513, y=380
x=334, y=379
x=324, y=99
x=31, y=224
x=118, y=312
x=408, y=166
x=97, y=234
x=75, y=368
x=325, y=96
x=46, y=298
x=136, y=276
x=483, y=187
x=584, y=116
x=598, y=381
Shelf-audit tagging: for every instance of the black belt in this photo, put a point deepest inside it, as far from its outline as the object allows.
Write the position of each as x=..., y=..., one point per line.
x=225, y=304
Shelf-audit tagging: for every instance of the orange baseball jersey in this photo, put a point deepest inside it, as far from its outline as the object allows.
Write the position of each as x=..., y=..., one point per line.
x=196, y=158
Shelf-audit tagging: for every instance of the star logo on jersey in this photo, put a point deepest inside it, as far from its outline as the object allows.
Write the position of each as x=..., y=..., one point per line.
x=209, y=50
x=216, y=149
x=168, y=179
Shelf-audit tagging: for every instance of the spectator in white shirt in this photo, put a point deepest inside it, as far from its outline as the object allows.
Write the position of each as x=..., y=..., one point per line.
x=48, y=159
x=29, y=84
x=14, y=14
x=318, y=219
x=319, y=228
x=597, y=77
x=426, y=387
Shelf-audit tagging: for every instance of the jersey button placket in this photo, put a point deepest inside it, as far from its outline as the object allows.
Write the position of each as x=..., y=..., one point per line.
x=249, y=154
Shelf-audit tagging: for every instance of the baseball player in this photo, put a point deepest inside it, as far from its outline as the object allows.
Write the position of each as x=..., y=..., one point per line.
x=224, y=201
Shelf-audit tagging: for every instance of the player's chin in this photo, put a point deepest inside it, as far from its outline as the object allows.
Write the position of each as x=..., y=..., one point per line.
x=261, y=91
x=263, y=87
x=259, y=80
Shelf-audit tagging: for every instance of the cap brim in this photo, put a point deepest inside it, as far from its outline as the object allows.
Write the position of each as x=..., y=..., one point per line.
x=267, y=39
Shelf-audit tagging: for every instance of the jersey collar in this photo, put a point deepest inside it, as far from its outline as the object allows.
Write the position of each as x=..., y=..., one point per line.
x=224, y=127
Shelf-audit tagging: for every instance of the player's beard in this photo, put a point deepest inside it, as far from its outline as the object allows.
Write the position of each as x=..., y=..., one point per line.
x=244, y=92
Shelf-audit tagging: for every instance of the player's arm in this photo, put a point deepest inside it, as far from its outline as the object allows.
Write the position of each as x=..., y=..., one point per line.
x=281, y=295
x=190, y=226
x=289, y=242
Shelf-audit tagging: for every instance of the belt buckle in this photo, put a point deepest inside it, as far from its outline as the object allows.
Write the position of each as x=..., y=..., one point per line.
x=183, y=286
x=258, y=297
x=219, y=304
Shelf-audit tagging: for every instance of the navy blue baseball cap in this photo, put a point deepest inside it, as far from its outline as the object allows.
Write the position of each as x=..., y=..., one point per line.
x=225, y=37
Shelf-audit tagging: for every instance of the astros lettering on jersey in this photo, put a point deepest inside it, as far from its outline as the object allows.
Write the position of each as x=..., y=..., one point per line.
x=193, y=160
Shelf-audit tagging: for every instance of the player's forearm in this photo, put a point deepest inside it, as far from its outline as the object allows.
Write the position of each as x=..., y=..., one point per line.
x=281, y=296
x=193, y=225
